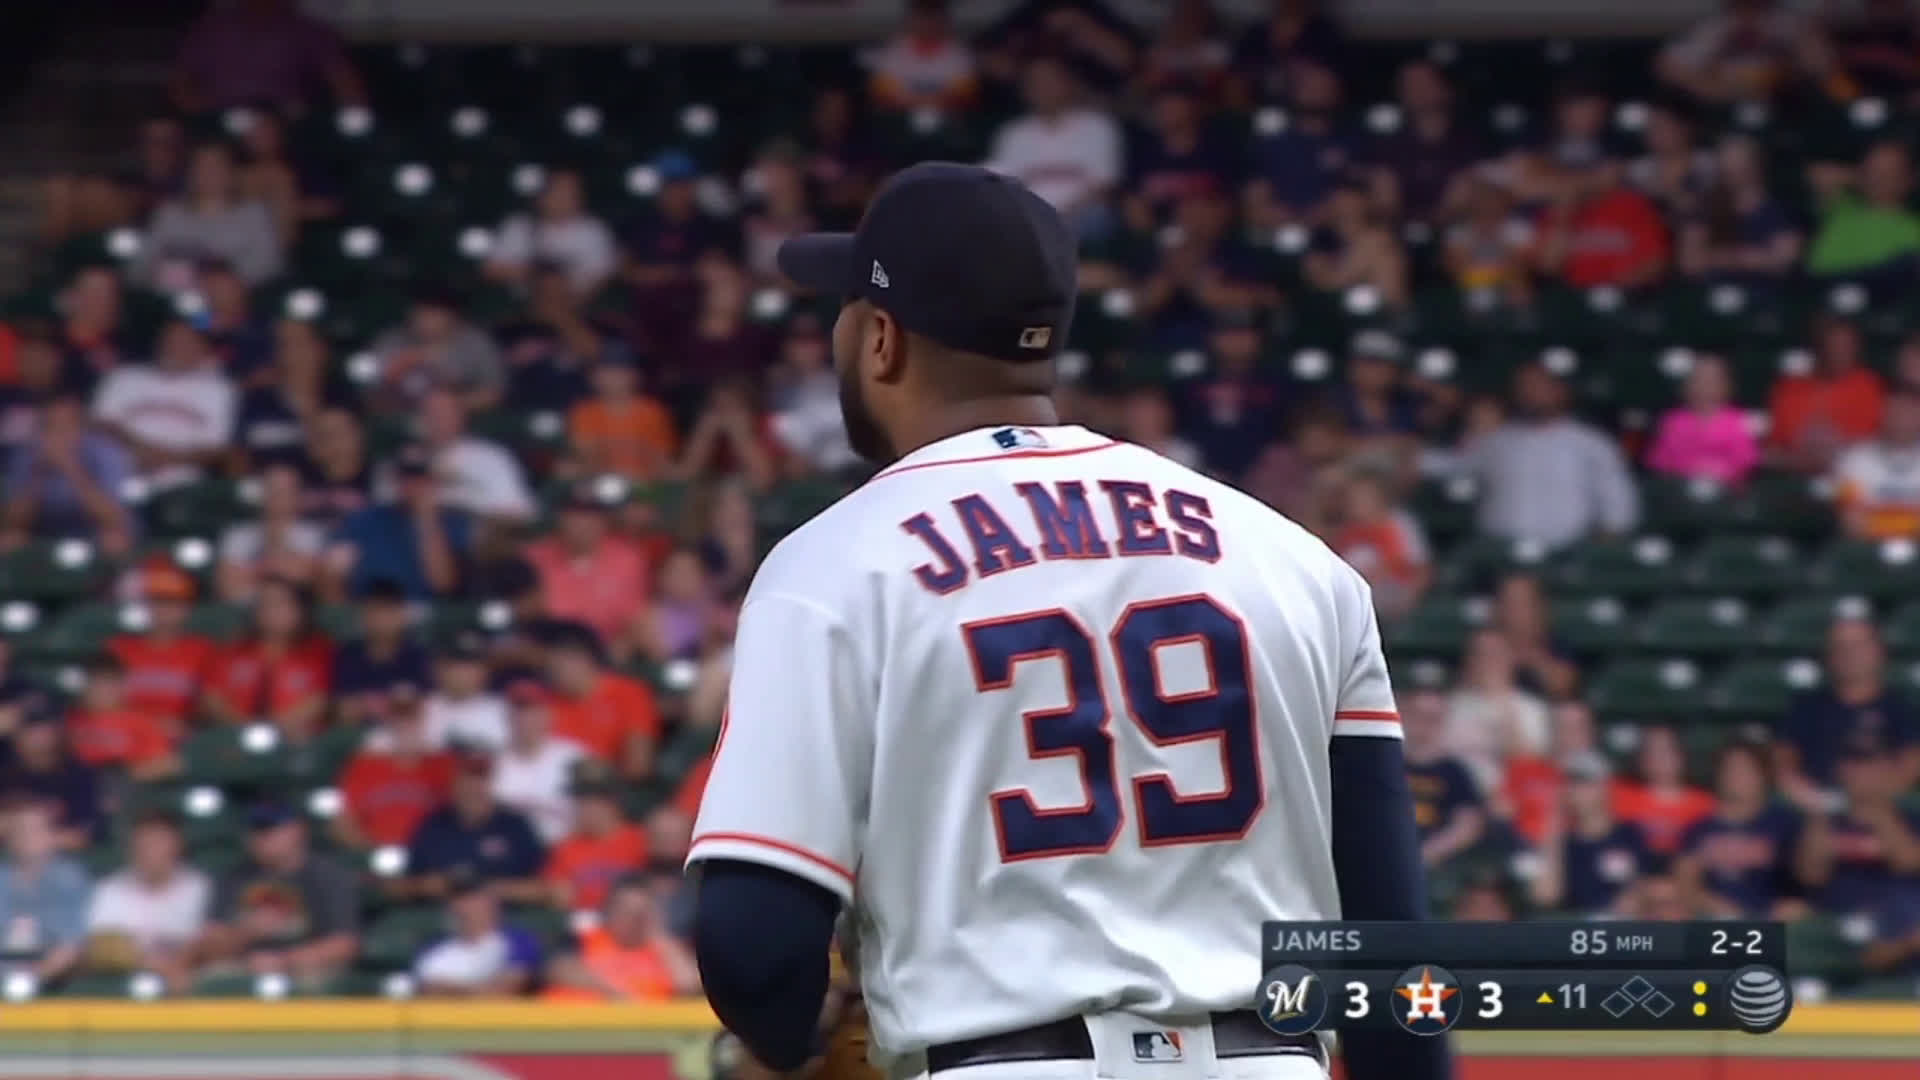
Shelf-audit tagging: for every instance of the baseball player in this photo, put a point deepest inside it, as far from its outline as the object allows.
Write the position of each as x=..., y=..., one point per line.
x=1070, y=720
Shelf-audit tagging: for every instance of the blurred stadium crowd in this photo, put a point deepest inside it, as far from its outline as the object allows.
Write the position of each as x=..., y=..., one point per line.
x=390, y=441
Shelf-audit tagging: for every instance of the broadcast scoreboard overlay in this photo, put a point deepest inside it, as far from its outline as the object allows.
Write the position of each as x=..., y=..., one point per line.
x=1428, y=978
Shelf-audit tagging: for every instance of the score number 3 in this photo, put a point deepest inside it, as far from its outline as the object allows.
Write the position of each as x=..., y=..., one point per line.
x=1492, y=1005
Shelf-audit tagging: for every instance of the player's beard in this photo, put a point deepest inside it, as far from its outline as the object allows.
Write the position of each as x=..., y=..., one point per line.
x=863, y=431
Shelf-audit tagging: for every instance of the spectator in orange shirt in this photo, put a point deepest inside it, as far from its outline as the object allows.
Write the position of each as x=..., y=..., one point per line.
x=587, y=573
x=395, y=777
x=614, y=717
x=165, y=665
x=1533, y=783
x=1658, y=798
x=281, y=673
x=1383, y=542
x=629, y=957
x=619, y=429
x=1816, y=416
x=602, y=848
x=103, y=733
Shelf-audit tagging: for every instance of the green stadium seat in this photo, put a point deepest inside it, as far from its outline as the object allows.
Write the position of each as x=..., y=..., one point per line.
x=252, y=757
x=1761, y=690
x=1589, y=625
x=222, y=622
x=320, y=762
x=538, y=434
x=226, y=985
x=1876, y=569
x=793, y=504
x=1631, y=380
x=1799, y=625
x=1757, y=565
x=550, y=925
x=668, y=498
x=449, y=618
x=1716, y=626
x=1820, y=943
x=1905, y=673
x=1695, y=507
x=1639, y=567
x=1479, y=563
x=1902, y=630
x=340, y=622
x=1438, y=626
x=1445, y=509
x=398, y=934
x=77, y=633
x=1649, y=688
x=680, y=752
x=55, y=571
x=1791, y=505
x=223, y=829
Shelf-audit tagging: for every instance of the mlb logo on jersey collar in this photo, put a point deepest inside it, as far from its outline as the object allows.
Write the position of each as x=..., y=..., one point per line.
x=1156, y=1046
x=1019, y=438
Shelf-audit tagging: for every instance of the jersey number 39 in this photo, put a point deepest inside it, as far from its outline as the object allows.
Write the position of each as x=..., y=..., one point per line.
x=1223, y=711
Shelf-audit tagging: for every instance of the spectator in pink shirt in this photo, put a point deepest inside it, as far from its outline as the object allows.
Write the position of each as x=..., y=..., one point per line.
x=588, y=574
x=1705, y=436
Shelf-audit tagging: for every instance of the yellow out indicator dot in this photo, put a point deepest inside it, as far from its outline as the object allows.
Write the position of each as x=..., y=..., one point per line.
x=1699, y=1008
x=1699, y=988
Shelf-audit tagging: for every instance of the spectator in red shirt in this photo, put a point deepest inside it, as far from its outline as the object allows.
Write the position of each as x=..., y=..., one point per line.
x=103, y=732
x=587, y=573
x=165, y=665
x=281, y=673
x=602, y=848
x=1817, y=415
x=1600, y=232
x=1658, y=798
x=615, y=718
x=395, y=778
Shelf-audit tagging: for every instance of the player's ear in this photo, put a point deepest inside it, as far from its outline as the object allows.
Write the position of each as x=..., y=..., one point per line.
x=886, y=343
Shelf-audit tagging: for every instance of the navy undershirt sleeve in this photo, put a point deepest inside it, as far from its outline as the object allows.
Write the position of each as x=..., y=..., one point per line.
x=761, y=937
x=1376, y=860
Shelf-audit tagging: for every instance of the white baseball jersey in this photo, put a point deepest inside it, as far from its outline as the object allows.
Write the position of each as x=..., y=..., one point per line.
x=1056, y=711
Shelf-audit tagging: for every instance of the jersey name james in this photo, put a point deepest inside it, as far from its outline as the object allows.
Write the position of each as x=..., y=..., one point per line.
x=1034, y=523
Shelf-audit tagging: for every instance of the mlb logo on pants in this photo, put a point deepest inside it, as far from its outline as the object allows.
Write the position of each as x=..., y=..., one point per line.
x=1156, y=1046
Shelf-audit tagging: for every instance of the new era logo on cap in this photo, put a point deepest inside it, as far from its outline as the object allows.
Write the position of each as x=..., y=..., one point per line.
x=879, y=276
x=1036, y=337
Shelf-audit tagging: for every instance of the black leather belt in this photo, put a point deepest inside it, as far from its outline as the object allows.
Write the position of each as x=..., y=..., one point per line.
x=1235, y=1035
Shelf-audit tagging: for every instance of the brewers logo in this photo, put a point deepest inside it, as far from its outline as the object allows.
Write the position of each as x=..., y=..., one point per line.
x=1292, y=1000
x=1425, y=1005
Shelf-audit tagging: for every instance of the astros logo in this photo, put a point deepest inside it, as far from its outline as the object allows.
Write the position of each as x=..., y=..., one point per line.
x=1426, y=990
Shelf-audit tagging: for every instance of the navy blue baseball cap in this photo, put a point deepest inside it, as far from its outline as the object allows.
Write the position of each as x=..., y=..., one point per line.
x=960, y=255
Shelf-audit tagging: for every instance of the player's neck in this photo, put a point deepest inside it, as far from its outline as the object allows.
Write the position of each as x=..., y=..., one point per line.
x=1026, y=410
